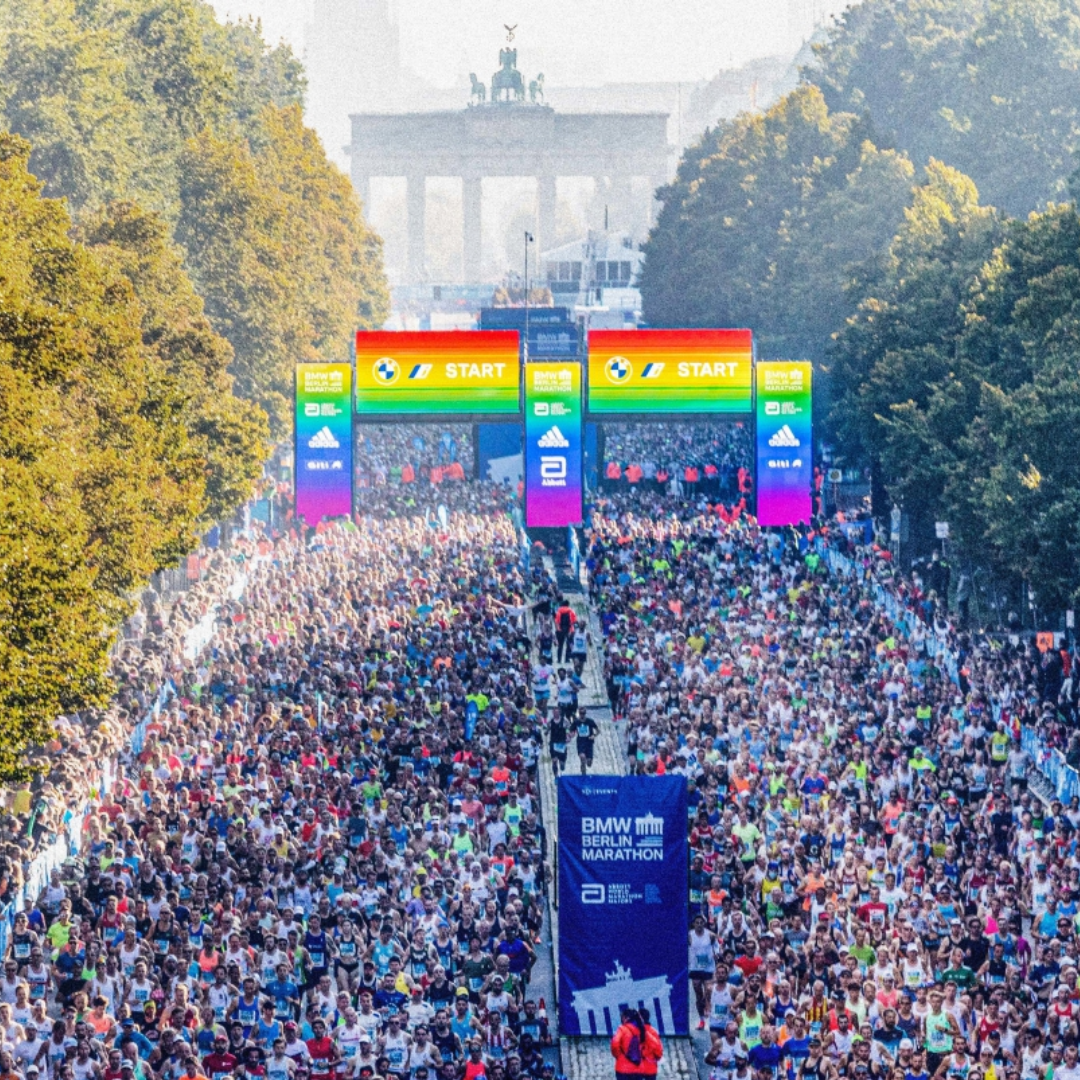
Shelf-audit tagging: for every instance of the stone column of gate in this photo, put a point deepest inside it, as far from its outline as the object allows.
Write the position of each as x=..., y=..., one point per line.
x=621, y=204
x=416, y=201
x=472, y=188
x=547, y=198
x=363, y=192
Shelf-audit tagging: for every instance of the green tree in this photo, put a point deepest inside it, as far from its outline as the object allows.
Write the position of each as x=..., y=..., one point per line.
x=154, y=102
x=893, y=364
x=228, y=435
x=101, y=483
x=1016, y=489
x=765, y=221
x=990, y=86
x=335, y=260
x=234, y=230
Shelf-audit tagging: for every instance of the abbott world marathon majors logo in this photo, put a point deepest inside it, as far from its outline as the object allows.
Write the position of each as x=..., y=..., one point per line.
x=622, y=839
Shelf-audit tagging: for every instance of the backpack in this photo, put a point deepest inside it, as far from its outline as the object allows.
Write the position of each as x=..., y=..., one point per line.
x=633, y=1050
x=564, y=621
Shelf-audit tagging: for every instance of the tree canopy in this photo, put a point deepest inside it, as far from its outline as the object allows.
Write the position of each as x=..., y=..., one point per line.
x=863, y=222
x=992, y=87
x=765, y=218
x=154, y=102
x=173, y=241
x=106, y=469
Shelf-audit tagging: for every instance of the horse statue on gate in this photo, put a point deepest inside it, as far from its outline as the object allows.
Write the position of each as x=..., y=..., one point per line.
x=479, y=90
x=536, y=88
x=507, y=80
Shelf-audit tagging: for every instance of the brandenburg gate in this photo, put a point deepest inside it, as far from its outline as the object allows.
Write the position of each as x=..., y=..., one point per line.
x=503, y=135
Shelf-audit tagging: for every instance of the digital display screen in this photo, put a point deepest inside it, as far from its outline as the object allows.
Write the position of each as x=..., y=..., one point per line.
x=437, y=373
x=785, y=432
x=323, y=441
x=652, y=372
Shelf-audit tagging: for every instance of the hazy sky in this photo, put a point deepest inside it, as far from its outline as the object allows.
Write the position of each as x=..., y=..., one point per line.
x=575, y=42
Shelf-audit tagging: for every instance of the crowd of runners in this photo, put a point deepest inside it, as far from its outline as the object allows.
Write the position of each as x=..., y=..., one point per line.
x=388, y=454
x=327, y=864
x=874, y=891
x=690, y=460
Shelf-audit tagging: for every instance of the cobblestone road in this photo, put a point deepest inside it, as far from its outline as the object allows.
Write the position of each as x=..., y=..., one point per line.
x=590, y=1058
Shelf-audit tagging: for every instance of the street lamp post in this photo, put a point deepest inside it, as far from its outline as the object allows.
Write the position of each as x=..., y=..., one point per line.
x=528, y=241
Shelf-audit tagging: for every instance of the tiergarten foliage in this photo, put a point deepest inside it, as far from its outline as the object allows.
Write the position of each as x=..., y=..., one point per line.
x=172, y=241
x=845, y=225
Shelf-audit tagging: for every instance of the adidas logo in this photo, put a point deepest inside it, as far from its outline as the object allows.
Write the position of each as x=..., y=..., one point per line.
x=784, y=437
x=323, y=440
x=552, y=438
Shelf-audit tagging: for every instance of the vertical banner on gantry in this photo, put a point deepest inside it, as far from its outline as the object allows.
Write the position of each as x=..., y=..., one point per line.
x=553, y=437
x=323, y=441
x=785, y=438
x=622, y=902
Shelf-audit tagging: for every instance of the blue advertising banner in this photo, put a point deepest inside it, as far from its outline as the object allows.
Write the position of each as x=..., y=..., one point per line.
x=558, y=339
x=622, y=902
x=513, y=318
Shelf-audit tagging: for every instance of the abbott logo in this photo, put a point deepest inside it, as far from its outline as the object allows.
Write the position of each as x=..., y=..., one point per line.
x=772, y=408
x=541, y=408
x=552, y=471
x=592, y=894
x=785, y=437
x=553, y=439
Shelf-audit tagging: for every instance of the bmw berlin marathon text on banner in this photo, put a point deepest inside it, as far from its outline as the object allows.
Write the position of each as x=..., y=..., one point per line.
x=622, y=902
x=323, y=441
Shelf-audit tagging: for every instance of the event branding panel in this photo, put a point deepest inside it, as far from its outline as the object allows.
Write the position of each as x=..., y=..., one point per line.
x=553, y=444
x=324, y=451
x=785, y=459
x=622, y=902
x=437, y=373
x=651, y=372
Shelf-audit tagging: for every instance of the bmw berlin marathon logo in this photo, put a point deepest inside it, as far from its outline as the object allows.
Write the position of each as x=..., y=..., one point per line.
x=622, y=839
x=386, y=371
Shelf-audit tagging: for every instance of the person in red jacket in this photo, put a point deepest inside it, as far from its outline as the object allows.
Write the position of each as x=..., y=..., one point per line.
x=636, y=1048
x=564, y=627
x=654, y=1048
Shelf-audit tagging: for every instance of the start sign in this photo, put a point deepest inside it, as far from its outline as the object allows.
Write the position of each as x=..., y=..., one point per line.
x=454, y=373
x=651, y=372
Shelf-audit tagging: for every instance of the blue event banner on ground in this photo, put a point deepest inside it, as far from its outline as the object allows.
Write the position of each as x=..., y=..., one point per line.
x=622, y=902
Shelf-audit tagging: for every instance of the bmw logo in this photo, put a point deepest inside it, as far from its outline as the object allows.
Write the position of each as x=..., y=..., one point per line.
x=386, y=370
x=618, y=369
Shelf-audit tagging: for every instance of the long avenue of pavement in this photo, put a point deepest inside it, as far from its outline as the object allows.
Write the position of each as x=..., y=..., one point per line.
x=589, y=1058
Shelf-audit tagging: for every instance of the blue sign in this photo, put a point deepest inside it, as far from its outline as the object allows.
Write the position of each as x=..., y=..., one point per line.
x=558, y=339
x=623, y=929
x=513, y=318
